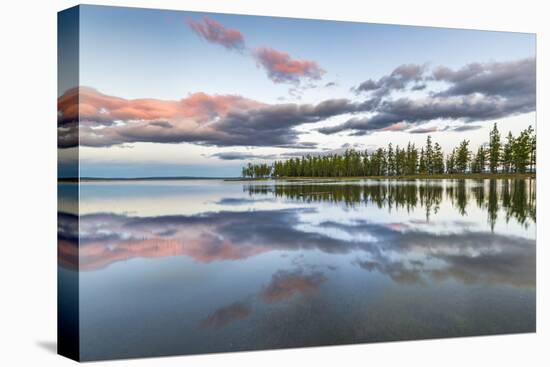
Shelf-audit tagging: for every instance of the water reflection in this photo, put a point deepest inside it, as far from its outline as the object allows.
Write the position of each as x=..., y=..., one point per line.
x=298, y=264
x=405, y=250
x=517, y=197
x=285, y=284
x=227, y=315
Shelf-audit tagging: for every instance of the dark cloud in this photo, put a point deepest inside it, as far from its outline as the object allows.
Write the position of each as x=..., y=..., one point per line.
x=164, y=124
x=418, y=87
x=319, y=153
x=230, y=156
x=399, y=79
x=465, y=128
x=423, y=130
x=300, y=145
x=67, y=134
x=222, y=120
x=515, y=79
x=476, y=92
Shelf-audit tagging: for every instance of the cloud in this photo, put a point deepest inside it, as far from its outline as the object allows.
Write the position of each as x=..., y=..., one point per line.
x=101, y=109
x=230, y=156
x=285, y=284
x=300, y=145
x=214, y=32
x=424, y=130
x=221, y=120
x=465, y=128
x=476, y=92
x=227, y=315
x=398, y=126
x=296, y=153
x=418, y=87
x=282, y=68
x=505, y=79
x=400, y=78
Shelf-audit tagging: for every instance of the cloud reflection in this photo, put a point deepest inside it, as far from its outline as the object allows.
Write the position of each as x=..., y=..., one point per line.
x=227, y=315
x=408, y=254
x=285, y=284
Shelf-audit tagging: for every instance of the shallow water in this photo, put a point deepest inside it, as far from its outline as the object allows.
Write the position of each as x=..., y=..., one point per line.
x=197, y=266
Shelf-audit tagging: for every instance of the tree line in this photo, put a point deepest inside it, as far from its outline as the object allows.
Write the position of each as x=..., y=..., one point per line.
x=514, y=154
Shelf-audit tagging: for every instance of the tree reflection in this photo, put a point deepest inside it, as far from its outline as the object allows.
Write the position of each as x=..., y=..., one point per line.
x=515, y=198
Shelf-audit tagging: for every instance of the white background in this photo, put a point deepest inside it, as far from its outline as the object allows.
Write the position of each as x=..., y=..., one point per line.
x=28, y=183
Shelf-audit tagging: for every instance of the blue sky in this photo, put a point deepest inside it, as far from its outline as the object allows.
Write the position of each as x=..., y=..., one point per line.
x=128, y=54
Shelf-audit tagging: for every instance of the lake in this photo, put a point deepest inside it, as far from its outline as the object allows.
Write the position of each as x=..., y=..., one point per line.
x=200, y=266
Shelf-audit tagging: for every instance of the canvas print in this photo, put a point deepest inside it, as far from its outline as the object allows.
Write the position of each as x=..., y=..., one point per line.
x=234, y=183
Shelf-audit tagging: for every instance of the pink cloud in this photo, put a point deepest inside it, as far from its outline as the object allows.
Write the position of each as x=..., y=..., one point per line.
x=91, y=118
x=101, y=108
x=282, y=68
x=398, y=126
x=214, y=32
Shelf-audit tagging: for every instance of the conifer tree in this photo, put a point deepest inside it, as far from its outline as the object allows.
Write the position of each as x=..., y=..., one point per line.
x=463, y=157
x=508, y=154
x=494, y=149
x=438, y=160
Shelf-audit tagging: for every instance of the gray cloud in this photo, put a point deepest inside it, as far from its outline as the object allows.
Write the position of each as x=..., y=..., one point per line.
x=230, y=156
x=504, y=79
x=476, y=92
x=399, y=79
x=465, y=128
x=221, y=120
x=300, y=145
x=423, y=130
x=214, y=32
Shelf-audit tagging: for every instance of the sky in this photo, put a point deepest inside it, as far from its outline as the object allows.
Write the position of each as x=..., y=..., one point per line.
x=173, y=93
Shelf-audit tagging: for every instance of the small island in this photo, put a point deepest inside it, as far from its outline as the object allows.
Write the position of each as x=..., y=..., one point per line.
x=513, y=158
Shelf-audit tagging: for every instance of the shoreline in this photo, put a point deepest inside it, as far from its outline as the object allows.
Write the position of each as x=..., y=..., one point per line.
x=453, y=176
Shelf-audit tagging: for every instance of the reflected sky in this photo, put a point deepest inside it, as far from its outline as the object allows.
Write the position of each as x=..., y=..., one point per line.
x=229, y=266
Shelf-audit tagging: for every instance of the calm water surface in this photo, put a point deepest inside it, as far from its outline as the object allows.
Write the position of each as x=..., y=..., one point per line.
x=197, y=266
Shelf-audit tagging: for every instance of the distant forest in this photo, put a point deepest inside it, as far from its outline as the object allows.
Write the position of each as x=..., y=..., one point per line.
x=516, y=154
